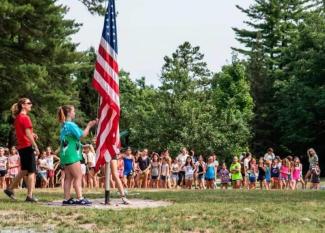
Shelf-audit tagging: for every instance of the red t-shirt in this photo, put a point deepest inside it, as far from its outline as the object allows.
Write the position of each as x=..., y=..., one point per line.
x=23, y=122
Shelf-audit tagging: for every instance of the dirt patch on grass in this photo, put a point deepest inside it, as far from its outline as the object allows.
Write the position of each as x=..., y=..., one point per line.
x=116, y=204
x=9, y=213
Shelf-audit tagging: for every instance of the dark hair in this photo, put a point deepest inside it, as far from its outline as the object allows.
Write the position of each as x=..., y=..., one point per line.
x=63, y=112
x=191, y=163
x=17, y=107
x=153, y=155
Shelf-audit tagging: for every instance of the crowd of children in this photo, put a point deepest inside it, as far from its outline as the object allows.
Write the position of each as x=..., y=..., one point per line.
x=10, y=167
x=144, y=170
x=188, y=171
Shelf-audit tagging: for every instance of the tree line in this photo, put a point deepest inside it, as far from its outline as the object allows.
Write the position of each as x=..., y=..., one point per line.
x=271, y=94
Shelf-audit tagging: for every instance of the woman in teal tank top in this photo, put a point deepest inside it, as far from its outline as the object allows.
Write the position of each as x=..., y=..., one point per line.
x=71, y=154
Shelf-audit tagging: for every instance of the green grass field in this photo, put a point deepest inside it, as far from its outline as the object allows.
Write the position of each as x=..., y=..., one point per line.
x=192, y=211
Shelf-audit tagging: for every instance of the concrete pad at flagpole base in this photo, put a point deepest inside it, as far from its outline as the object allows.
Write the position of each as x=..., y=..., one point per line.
x=116, y=204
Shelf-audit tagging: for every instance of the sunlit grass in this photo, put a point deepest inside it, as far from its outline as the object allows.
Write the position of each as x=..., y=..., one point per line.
x=192, y=211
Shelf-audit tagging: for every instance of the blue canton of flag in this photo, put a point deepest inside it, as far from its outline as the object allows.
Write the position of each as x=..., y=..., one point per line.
x=109, y=30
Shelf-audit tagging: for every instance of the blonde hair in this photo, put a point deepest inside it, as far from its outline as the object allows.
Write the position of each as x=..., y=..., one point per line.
x=286, y=162
x=63, y=112
x=17, y=107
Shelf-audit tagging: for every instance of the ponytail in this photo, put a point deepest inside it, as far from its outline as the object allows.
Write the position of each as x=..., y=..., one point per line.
x=17, y=107
x=14, y=110
x=61, y=116
x=63, y=112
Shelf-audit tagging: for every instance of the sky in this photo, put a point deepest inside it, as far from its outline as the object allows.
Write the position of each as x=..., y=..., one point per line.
x=148, y=30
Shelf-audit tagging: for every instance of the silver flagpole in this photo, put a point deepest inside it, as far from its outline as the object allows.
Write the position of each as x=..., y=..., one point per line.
x=107, y=169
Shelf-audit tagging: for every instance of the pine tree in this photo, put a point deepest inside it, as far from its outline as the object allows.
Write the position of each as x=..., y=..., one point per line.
x=273, y=28
x=37, y=60
x=184, y=78
x=300, y=97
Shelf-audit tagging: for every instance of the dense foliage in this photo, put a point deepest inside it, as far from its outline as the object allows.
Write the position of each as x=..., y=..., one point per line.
x=37, y=59
x=284, y=47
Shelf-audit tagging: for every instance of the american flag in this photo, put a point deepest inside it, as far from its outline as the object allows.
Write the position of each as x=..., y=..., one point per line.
x=106, y=82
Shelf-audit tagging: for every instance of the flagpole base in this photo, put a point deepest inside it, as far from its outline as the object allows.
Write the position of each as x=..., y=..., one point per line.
x=107, y=197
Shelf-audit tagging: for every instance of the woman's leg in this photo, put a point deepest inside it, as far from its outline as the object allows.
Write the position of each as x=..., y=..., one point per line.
x=62, y=178
x=125, y=181
x=75, y=171
x=95, y=179
x=84, y=181
x=145, y=180
x=7, y=181
x=116, y=177
x=51, y=182
x=136, y=181
x=303, y=183
x=90, y=179
x=67, y=183
x=2, y=182
x=211, y=183
x=131, y=185
x=293, y=184
x=152, y=183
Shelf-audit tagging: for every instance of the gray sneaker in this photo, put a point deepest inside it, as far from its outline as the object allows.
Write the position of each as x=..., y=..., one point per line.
x=31, y=199
x=125, y=201
x=10, y=194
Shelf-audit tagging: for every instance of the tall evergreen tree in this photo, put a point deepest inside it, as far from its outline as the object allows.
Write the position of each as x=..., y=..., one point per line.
x=184, y=78
x=37, y=60
x=272, y=28
x=300, y=98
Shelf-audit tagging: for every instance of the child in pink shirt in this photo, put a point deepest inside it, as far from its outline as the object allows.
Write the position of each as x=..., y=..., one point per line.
x=13, y=165
x=284, y=174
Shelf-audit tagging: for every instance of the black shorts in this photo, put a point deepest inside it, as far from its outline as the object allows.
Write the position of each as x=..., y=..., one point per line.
x=3, y=173
x=27, y=159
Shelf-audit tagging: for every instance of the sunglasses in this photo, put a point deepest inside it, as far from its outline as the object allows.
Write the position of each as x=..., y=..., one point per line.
x=29, y=103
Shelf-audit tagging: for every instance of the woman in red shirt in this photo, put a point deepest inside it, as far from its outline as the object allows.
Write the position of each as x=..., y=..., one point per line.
x=26, y=146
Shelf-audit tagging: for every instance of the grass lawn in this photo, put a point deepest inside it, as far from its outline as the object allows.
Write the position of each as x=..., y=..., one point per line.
x=192, y=211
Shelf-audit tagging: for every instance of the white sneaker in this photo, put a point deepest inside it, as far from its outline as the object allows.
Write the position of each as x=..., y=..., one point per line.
x=125, y=201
